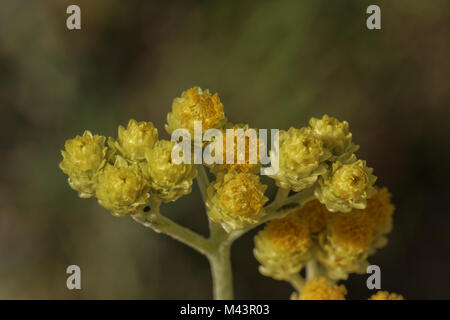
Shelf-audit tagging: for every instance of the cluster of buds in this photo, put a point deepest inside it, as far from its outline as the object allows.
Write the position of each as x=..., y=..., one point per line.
x=236, y=198
x=345, y=221
x=321, y=288
x=125, y=173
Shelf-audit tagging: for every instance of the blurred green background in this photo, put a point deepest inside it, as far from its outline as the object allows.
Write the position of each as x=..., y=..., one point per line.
x=275, y=64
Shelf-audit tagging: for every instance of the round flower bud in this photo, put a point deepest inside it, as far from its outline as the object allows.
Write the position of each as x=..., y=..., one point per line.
x=351, y=231
x=321, y=289
x=236, y=200
x=335, y=135
x=134, y=141
x=384, y=295
x=251, y=144
x=347, y=186
x=121, y=188
x=168, y=181
x=196, y=104
x=83, y=157
x=282, y=247
x=315, y=215
x=301, y=158
x=345, y=245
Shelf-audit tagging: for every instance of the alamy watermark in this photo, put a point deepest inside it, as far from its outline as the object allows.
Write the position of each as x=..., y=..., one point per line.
x=251, y=147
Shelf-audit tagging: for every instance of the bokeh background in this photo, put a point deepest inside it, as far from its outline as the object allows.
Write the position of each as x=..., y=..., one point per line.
x=275, y=64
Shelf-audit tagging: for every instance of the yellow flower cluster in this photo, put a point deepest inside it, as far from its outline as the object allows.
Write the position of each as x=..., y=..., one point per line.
x=324, y=152
x=339, y=242
x=323, y=289
x=346, y=221
x=320, y=289
x=128, y=171
x=350, y=238
x=384, y=295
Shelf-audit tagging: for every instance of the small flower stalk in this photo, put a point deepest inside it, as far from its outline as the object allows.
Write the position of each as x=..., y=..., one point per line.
x=325, y=223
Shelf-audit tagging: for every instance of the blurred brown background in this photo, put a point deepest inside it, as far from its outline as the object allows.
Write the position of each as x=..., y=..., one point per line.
x=275, y=64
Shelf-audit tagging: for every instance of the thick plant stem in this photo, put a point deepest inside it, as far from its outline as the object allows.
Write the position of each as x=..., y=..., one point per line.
x=221, y=272
x=312, y=269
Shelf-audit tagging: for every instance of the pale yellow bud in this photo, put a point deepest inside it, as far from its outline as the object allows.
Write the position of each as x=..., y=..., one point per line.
x=121, y=188
x=335, y=135
x=196, y=104
x=283, y=247
x=168, y=181
x=347, y=186
x=134, y=141
x=83, y=157
x=301, y=159
x=236, y=200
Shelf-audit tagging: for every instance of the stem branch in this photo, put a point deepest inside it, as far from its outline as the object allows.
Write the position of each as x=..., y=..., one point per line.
x=162, y=224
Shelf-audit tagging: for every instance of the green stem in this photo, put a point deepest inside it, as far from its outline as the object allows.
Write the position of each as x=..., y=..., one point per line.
x=202, y=180
x=312, y=269
x=297, y=282
x=281, y=196
x=217, y=248
x=162, y=224
x=222, y=275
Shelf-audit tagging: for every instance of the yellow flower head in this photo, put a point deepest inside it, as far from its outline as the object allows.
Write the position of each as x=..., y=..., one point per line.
x=236, y=200
x=243, y=152
x=282, y=247
x=315, y=215
x=384, y=295
x=83, y=157
x=121, y=188
x=345, y=244
x=301, y=158
x=350, y=231
x=348, y=186
x=196, y=104
x=322, y=289
x=134, y=141
x=379, y=211
x=168, y=181
x=335, y=135
x=288, y=234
